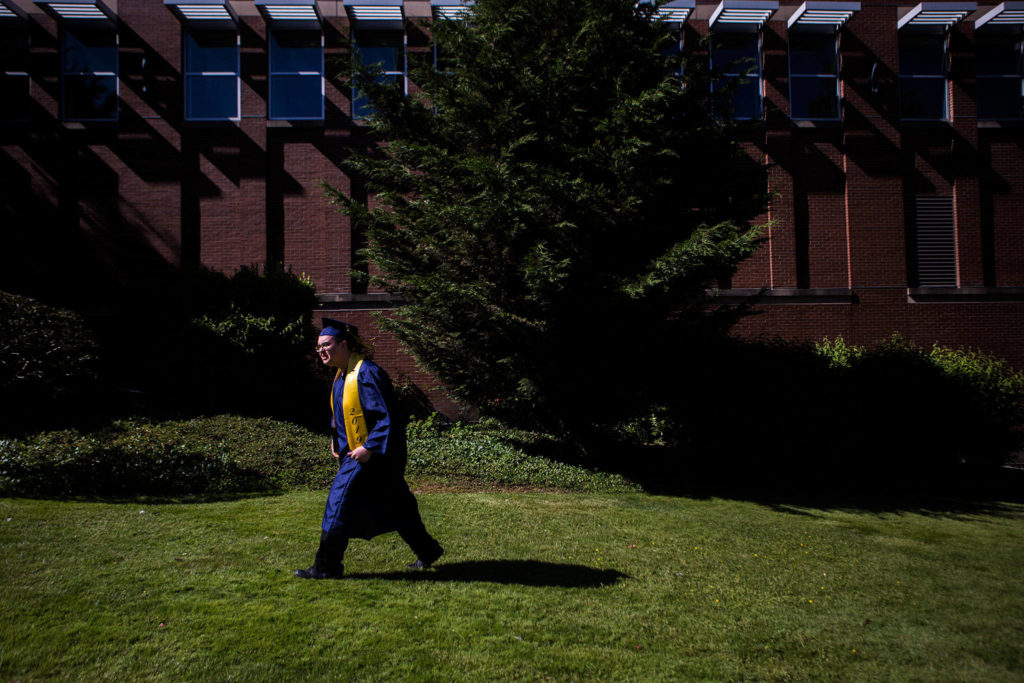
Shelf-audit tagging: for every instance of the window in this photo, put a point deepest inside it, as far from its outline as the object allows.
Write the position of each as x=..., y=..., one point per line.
x=387, y=50
x=1000, y=74
x=814, y=75
x=922, y=76
x=296, y=74
x=14, y=82
x=89, y=83
x=211, y=75
x=736, y=64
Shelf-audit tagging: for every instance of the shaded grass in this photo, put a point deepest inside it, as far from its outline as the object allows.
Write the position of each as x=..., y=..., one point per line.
x=627, y=587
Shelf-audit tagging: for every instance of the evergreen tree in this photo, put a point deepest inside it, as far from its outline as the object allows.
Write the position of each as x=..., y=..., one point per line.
x=551, y=208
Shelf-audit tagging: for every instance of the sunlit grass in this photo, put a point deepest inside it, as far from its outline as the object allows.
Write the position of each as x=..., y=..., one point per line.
x=627, y=587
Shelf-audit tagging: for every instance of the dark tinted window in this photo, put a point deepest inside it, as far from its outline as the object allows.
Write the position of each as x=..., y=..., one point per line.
x=296, y=51
x=813, y=76
x=922, y=54
x=14, y=82
x=211, y=75
x=813, y=98
x=1000, y=81
x=922, y=59
x=296, y=75
x=736, y=62
x=812, y=53
x=89, y=74
x=923, y=99
x=386, y=49
x=736, y=52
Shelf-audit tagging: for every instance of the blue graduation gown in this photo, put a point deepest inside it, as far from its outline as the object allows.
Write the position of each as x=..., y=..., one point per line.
x=371, y=499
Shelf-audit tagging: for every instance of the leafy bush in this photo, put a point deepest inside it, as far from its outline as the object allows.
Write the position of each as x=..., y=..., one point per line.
x=47, y=360
x=239, y=344
x=933, y=408
x=649, y=429
x=838, y=353
x=230, y=454
x=201, y=456
x=995, y=389
x=487, y=453
x=835, y=414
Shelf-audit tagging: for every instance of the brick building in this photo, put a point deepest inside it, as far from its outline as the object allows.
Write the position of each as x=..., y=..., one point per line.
x=198, y=132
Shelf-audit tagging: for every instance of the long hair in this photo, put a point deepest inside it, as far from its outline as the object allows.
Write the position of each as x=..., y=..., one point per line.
x=357, y=345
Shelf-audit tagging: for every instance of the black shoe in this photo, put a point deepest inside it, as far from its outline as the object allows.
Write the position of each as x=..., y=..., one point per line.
x=421, y=564
x=315, y=572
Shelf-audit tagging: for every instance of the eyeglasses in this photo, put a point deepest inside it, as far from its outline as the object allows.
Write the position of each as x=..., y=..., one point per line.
x=321, y=347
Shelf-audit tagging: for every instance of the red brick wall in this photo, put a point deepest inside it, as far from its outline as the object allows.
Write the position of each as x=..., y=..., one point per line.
x=989, y=327
x=1003, y=161
x=243, y=193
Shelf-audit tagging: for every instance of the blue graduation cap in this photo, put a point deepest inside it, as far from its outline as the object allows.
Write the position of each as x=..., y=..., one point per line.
x=337, y=328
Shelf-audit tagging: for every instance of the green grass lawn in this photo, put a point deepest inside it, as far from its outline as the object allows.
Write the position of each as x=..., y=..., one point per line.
x=566, y=586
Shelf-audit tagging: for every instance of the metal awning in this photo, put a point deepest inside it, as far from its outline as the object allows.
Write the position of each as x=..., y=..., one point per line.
x=376, y=14
x=300, y=14
x=748, y=14
x=823, y=13
x=203, y=13
x=10, y=10
x=78, y=10
x=676, y=11
x=451, y=9
x=1003, y=14
x=936, y=14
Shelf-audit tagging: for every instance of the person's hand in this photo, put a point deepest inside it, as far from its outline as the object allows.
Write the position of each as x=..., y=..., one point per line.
x=361, y=455
x=334, y=451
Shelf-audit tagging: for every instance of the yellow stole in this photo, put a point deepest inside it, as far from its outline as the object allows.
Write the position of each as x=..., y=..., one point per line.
x=352, y=410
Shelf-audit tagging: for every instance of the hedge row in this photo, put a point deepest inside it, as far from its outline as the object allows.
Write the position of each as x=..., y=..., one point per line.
x=230, y=454
x=222, y=454
x=835, y=411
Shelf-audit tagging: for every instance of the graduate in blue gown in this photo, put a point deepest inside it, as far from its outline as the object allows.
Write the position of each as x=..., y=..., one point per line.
x=369, y=495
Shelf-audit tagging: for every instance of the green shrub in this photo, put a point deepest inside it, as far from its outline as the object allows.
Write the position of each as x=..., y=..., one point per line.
x=650, y=429
x=230, y=454
x=995, y=389
x=48, y=360
x=487, y=453
x=835, y=414
x=224, y=454
x=838, y=353
x=223, y=344
x=923, y=410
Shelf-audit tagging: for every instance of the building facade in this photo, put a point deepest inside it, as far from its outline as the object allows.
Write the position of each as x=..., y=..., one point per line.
x=198, y=133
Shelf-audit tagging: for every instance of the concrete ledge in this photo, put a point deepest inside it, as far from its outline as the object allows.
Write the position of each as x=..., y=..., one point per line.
x=295, y=123
x=961, y=295
x=784, y=295
x=824, y=124
x=225, y=124
x=1009, y=124
x=338, y=301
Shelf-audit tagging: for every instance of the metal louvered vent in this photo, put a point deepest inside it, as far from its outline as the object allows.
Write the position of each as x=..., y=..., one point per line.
x=936, y=242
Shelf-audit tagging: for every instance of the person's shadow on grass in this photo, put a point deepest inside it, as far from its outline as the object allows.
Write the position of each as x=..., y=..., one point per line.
x=520, y=572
